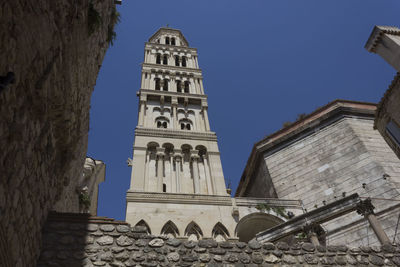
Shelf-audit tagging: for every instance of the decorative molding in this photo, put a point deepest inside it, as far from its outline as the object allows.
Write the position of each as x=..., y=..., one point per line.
x=166, y=133
x=168, y=93
x=376, y=36
x=273, y=202
x=155, y=197
x=169, y=67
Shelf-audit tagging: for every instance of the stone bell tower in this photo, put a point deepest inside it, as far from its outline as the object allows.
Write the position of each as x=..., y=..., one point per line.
x=177, y=177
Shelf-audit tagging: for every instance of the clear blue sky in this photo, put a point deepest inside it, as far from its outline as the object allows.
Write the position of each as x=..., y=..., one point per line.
x=263, y=63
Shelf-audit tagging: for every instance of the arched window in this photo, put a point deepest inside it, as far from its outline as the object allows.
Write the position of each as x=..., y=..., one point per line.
x=177, y=61
x=162, y=122
x=179, y=86
x=158, y=124
x=182, y=126
x=186, y=86
x=158, y=83
x=220, y=233
x=173, y=41
x=158, y=59
x=183, y=61
x=164, y=188
x=165, y=85
x=193, y=232
x=165, y=60
x=188, y=126
x=167, y=40
x=169, y=229
x=144, y=224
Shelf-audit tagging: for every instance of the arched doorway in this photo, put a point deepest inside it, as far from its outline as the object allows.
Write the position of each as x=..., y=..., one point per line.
x=252, y=224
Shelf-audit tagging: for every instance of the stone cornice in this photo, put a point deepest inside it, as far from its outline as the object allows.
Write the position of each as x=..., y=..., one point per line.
x=172, y=48
x=169, y=67
x=376, y=36
x=167, y=133
x=168, y=93
x=155, y=197
x=273, y=202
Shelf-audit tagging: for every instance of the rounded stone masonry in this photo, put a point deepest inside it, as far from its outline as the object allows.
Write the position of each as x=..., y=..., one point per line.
x=119, y=245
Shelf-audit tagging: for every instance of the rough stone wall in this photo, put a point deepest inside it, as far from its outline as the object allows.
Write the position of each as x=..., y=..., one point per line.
x=44, y=114
x=388, y=109
x=95, y=242
x=339, y=159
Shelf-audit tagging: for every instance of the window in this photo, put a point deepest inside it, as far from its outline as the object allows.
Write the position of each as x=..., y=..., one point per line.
x=165, y=85
x=394, y=132
x=162, y=122
x=186, y=124
x=186, y=86
x=167, y=40
x=158, y=124
x=158, y=84
x=165, y=60
x=158, y=59
x=183, y=61
x=177, y=61
x=164, y=188
x=179, y=86
x=182, y=126
x=172, y=41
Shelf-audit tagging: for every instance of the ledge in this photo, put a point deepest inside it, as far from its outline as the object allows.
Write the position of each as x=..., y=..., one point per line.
x=166, y=133
x=170, y=67
x=168, y=93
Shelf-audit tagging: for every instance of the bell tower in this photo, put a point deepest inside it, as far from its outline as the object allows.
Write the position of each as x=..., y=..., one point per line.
x=175, y=155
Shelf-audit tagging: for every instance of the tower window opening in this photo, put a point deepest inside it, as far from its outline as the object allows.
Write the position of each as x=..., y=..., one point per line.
x=158, y=124
x=158, y=84
x=164, y=188
x=179, y=86
x=158, y=59
x=164, y=124
x=183, y=61
x=182, y=126
x=186, y=87
x=165, y=85
x=172, y=41
x=167, y=40
x=177, y=61
x=188, y=126
x=165, y=60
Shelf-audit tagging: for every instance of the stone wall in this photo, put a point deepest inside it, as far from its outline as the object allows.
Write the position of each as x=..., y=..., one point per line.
x=79, y=240
x=388, y=110
x=44, y=114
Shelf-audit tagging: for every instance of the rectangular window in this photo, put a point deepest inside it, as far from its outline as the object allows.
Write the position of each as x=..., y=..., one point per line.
x=394, y=132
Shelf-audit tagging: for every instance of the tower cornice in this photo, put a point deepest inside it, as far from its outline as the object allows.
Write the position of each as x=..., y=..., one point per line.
x=169, y=67
x=176, y=134
x=169, y=93
x=171, y=47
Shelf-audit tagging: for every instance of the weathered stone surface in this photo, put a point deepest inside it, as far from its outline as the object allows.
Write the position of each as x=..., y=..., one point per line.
x=124, y=241
x=310, y=259
x=174, y=242
x=253, y=244
x=308, y=247
x=139, y=229
x=226, y=244
x=189, y=244
x=156, y=243
x=123, y=228
x=241, y=245
x=282, y=246
x=396, y=260
x=257, y=257
x=208, y=243
x=173, y=256
x=204, y=257
x=107, y=228
x=138, y=256
x=244, y=258
x=217, y=251
x=288, y=259
x=271, y=258
x=377, y=260
x=269, y=246
x=105, y=240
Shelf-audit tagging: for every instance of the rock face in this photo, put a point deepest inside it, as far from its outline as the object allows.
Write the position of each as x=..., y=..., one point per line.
x=44, y=113
x=66, y=244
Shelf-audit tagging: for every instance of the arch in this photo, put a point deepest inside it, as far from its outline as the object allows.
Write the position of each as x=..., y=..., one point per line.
x=178, y=86
x=158, y=59
x=169, y=148
x=193, y=232
x=202, y=150
x=165, y=85
x=183, y=61
x=158, y=84
x=167, y=40
x=220, y=233
x=152, y=144
x=144, y=224
x=253, y=223
x=169, y=229
x=177, y=61
x=162, y=122
x=186, y=86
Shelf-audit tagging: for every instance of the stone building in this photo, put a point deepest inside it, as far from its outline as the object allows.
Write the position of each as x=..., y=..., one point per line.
x=177, y=183
x=331, y=153
x=385, y=41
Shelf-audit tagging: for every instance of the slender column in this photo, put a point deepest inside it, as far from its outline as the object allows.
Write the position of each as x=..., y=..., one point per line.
x=160, y=169
x=178, y=159
x=143, y=99
x=196, y=180
x=192, y=87
x=208, y=175
x=201, y=86
x=174, y=117
x=206, y=122
x=171, y=172
x=151, y=82
x=366, y=209
x=146, y=174
x=146, y=56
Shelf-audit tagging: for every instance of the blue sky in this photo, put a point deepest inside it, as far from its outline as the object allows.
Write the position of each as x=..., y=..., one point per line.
x=263, y=63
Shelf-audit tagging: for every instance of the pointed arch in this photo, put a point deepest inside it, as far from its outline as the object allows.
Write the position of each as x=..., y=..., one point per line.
x=193, y=231
x=220, y=233
x=169, y=229
x=144, y=224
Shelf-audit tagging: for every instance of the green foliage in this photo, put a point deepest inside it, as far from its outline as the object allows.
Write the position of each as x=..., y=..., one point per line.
x=84, y=199
x=301, y=235
x=263, y=207
x=94, y=19
x=115, y=18
x=278, y=210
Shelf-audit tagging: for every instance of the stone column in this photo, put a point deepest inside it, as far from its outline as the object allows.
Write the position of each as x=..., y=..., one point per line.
x=178, y=159
x=146, y=174
x=174, y=115
x=160, y=168
x=195, y=166
x=205, y=115
x=192, y=87
x=208, y=176
x=366, y=209
x=143, y=80
x=143, y=100
x=201, y=86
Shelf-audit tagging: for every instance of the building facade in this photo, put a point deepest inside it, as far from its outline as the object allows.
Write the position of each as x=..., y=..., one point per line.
x=177, y=183
x=332, y=153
